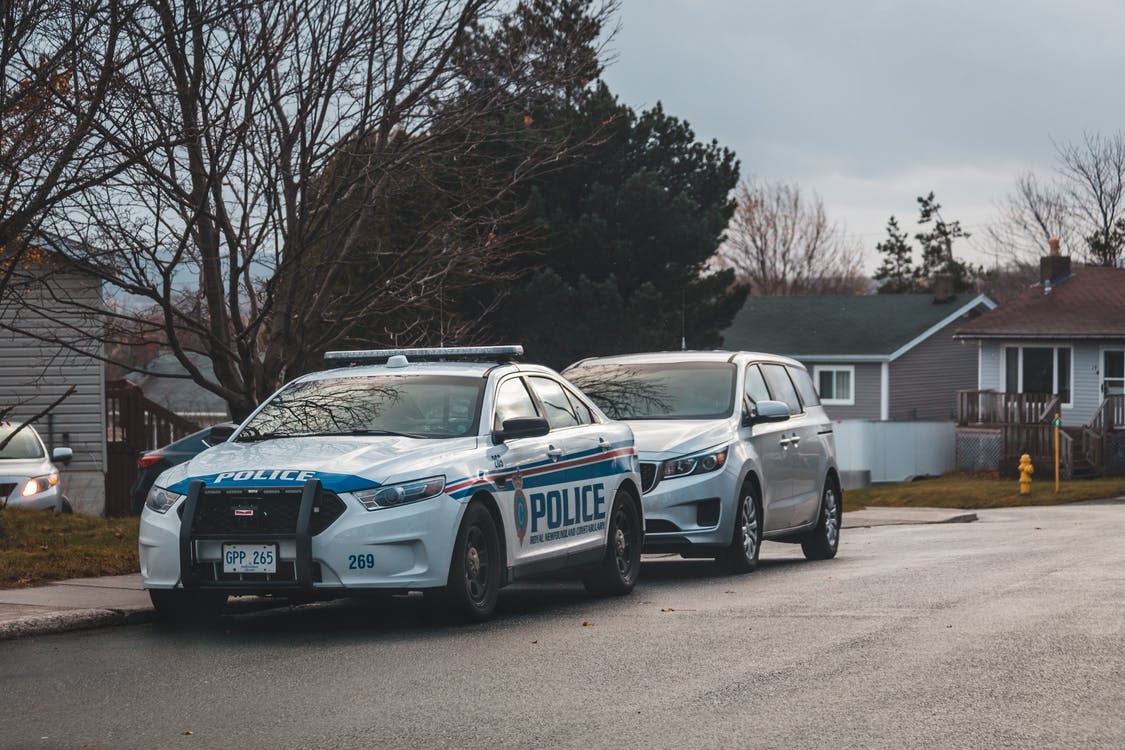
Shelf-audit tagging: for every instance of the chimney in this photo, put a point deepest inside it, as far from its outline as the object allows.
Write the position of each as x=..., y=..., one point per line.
x=1053, y=268
x=943, y=288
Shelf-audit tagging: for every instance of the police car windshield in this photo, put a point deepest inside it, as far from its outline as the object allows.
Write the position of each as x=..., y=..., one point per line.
x=423, y=406
x=676, y=390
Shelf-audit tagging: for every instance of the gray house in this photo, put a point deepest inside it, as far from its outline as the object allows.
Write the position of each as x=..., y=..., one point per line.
x=52, y=300
x=888, y=357
x=1056, y=349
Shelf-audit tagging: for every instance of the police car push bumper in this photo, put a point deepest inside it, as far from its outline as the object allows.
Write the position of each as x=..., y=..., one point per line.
x=397, y=547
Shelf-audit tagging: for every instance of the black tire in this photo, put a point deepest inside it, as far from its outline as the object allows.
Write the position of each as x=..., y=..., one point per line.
x=475, y=571
x=65, y=506
x=617, y=572
x=181, y=607
x=822, y=542
x=741, y=556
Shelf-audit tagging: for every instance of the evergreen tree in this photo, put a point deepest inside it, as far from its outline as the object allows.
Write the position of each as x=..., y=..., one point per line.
x=898, y=275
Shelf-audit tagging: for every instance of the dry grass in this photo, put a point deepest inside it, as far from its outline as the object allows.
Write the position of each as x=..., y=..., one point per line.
x=37, y=546
x=976, y=491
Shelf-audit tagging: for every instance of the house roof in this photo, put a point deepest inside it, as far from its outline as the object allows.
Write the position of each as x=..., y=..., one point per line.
x=163, y=382
x=873, y=327
x=1089, y=304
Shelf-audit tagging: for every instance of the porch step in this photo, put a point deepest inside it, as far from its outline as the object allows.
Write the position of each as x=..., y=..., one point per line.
x=1083, y=469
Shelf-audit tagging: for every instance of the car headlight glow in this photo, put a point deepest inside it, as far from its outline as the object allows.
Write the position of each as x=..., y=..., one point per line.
x=700, y=463
x=392, y=495
x=160, y=499
x=35, y=485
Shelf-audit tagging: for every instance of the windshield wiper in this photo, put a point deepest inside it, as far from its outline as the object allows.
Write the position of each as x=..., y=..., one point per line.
x=252, y=435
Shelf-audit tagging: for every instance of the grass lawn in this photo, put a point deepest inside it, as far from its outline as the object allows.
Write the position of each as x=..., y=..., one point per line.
x=37, y=546
x=975, y=491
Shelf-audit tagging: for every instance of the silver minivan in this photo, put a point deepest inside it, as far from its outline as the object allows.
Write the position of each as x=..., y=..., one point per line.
x=734, y=448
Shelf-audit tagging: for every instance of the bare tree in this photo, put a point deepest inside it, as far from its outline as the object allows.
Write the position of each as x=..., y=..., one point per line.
x=1029, y=218
x=1083, y=204
x=58, y=60
x=781, y=242
x=257, y=135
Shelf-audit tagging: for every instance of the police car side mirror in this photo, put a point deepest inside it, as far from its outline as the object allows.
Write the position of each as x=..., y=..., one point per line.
x=220, y=433
x=521, y=427
x=767, y=411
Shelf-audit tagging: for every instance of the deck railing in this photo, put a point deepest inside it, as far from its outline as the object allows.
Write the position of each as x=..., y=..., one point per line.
x=1000, y=407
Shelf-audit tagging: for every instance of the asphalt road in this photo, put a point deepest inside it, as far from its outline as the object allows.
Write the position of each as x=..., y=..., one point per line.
x=1008, y=632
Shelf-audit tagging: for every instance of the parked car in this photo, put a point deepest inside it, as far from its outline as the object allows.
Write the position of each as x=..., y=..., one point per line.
x=406, y=471
x=152, y=464
x=734, y=448
x=28, y=477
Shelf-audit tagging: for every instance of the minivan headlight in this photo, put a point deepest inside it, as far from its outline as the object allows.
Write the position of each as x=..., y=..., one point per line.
x=700, y=463
x=392, y=495
x=160, y=499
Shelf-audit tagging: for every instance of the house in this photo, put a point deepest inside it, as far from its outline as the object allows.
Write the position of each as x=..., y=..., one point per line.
x=46, y=300
x=164, y=381
x=1057, y=349
x=889, y=357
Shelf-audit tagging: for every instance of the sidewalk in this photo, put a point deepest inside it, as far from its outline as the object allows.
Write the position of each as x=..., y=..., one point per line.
x=120, y=600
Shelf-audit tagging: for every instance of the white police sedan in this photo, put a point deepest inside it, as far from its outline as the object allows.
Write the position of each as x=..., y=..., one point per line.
x=453, y=471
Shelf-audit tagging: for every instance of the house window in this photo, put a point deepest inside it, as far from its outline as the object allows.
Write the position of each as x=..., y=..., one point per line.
x=836, y=384
x=1113, y=372
x=1038, y=369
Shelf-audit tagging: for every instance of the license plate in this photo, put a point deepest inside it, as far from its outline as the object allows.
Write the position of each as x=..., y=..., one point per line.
x=249, y=558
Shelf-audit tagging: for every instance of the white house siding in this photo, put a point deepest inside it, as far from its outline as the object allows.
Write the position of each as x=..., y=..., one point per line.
x=924, y=381
x=33, y=374
x=892, y=451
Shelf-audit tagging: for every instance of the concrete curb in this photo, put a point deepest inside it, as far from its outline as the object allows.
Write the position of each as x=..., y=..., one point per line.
x=72, y=619
x=869, y=517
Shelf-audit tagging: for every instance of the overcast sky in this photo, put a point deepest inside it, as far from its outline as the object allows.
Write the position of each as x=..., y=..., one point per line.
x=872, y=103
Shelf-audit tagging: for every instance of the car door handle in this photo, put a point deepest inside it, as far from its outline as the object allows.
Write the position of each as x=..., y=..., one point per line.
x=554, y=453
x=603, y=444
x=795, y=441
x=784, y=442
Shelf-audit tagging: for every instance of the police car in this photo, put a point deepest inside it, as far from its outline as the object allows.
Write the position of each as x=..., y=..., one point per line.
x=453, y=471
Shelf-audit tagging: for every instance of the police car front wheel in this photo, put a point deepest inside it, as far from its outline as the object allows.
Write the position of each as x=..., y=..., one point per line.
x=474, y=572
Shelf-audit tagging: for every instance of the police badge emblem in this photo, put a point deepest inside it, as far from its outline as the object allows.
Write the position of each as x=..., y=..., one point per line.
x=519, y=507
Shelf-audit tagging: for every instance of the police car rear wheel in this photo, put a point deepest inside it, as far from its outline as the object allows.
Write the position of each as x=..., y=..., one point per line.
x=617, y=572
x=178, y=606
x=474, y=575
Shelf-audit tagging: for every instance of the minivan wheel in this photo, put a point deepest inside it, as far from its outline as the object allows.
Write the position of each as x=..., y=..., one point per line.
x=741, y=556
x=822, y=542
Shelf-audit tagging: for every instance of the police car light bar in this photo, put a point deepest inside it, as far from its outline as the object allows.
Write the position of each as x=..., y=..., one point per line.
x=436, y=353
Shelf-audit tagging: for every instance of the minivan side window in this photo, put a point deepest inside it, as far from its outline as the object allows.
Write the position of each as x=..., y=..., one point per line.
x=805, y=386
x=756, y=389
x=782, y=387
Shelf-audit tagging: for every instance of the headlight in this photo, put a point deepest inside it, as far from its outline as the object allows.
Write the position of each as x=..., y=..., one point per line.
x=160, y=499
x=701, y=463
x=391, y=495
x=35, y=485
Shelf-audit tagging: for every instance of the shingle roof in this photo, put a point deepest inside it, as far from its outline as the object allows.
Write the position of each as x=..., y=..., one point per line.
x=1088, y=304
x=874, y=325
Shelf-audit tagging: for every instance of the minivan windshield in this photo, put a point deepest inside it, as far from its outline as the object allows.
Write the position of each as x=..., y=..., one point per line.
x=673, y=390
x=424, y=406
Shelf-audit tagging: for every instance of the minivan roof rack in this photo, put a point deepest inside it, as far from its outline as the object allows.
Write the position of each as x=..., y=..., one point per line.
x=439, y=353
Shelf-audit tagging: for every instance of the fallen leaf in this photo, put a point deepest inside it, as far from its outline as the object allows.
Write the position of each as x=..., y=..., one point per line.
x=586, y=623
x=534, y=642
x=187, y=733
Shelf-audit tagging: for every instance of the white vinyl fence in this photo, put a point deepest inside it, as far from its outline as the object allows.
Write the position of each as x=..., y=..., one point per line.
x=869, y=452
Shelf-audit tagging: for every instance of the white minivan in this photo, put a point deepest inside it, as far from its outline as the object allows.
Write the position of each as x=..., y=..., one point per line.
x=734, y=448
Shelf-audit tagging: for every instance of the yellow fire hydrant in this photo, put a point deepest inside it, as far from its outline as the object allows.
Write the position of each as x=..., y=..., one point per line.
x=1026, y=470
